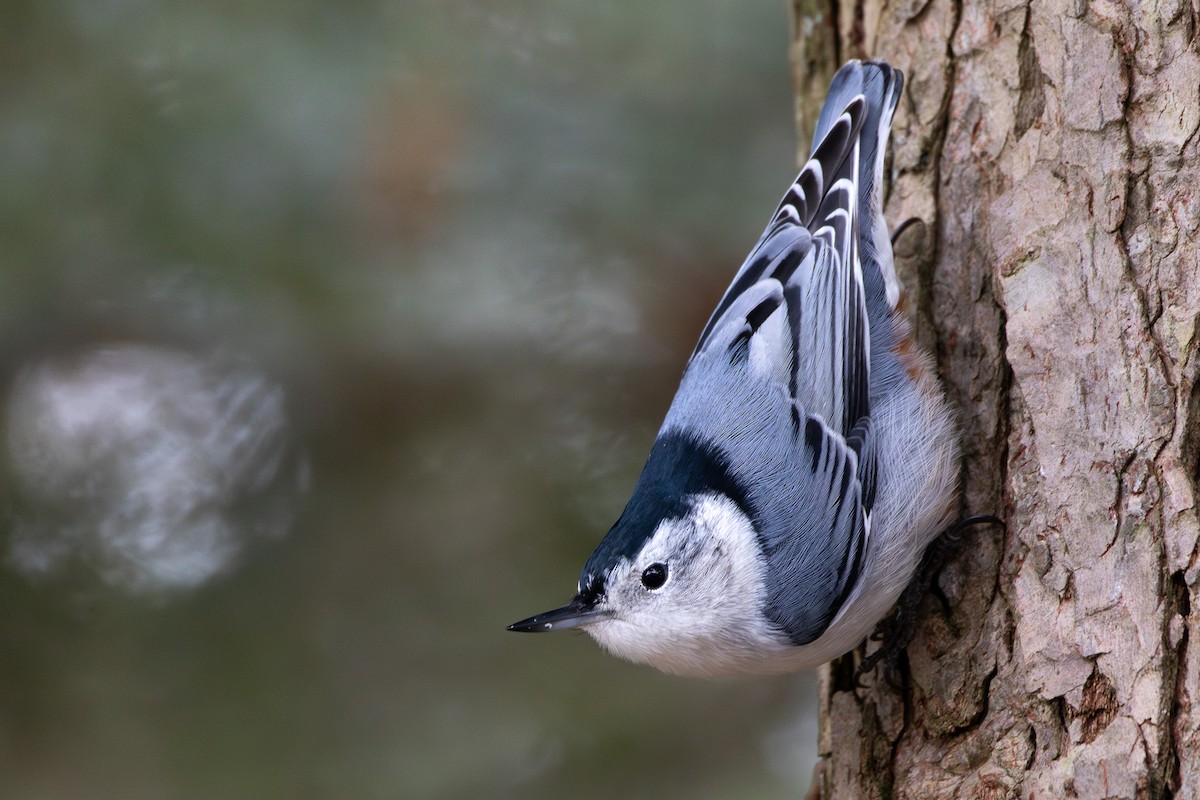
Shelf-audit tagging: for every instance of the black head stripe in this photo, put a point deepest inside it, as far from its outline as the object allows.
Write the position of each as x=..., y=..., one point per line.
x=680, y=467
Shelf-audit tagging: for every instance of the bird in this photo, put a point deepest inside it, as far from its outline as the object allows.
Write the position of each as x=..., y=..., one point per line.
x=809, y=457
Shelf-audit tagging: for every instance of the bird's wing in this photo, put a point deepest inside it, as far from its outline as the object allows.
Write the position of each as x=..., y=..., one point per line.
x=798, y=316
x=815, y=540
x=805, y=267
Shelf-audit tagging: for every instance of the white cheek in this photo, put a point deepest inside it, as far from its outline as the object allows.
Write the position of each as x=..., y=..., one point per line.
x=742, y=563
x=706, y=620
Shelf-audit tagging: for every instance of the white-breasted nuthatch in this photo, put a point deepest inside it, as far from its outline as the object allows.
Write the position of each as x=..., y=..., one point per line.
x=809, y=456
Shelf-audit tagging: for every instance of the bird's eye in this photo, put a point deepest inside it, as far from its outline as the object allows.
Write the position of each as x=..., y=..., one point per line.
x=654, y=576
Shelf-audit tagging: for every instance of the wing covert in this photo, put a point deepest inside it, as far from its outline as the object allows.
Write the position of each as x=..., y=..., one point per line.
x=812, y=571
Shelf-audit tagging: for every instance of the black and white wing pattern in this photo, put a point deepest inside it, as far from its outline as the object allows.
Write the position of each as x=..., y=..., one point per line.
x=800, y=316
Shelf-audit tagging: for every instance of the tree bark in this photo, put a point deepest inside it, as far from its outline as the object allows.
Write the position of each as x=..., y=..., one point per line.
x=1051, y=150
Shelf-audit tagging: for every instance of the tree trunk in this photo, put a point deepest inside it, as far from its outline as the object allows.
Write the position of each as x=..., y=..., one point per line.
x=1051, y=149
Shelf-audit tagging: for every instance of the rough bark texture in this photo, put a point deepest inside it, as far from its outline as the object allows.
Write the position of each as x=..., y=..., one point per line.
x=1051, y=148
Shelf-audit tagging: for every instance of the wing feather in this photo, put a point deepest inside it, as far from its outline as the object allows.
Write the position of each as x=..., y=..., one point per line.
x=796, y=325
x=815, y=569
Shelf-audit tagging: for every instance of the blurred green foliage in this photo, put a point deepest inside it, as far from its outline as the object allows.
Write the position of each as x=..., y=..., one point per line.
x=473, y=241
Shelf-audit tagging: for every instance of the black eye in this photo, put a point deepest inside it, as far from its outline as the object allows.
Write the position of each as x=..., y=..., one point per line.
x=654, y=576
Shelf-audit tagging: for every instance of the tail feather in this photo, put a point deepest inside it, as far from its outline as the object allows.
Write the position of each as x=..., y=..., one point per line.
x=857, y=115
x=879, y=85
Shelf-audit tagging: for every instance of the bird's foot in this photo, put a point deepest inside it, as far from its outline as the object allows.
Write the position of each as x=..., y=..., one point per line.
x=896, y=631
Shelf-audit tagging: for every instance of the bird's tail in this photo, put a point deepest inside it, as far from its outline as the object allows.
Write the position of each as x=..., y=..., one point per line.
x=880, y=85
x=856, y=118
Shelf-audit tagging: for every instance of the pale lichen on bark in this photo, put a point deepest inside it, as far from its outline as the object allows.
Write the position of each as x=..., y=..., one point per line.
x=1052, y=150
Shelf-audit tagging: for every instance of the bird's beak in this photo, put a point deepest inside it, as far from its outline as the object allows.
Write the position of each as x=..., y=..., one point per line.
x=575, y=613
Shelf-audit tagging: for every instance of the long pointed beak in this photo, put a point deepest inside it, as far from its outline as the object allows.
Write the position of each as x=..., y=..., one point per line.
x=575, y=613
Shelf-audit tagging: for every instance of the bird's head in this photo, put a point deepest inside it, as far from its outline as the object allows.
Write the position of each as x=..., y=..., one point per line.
x=679, y=582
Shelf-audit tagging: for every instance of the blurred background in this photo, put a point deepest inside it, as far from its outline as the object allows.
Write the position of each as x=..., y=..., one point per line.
x=333, y=336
